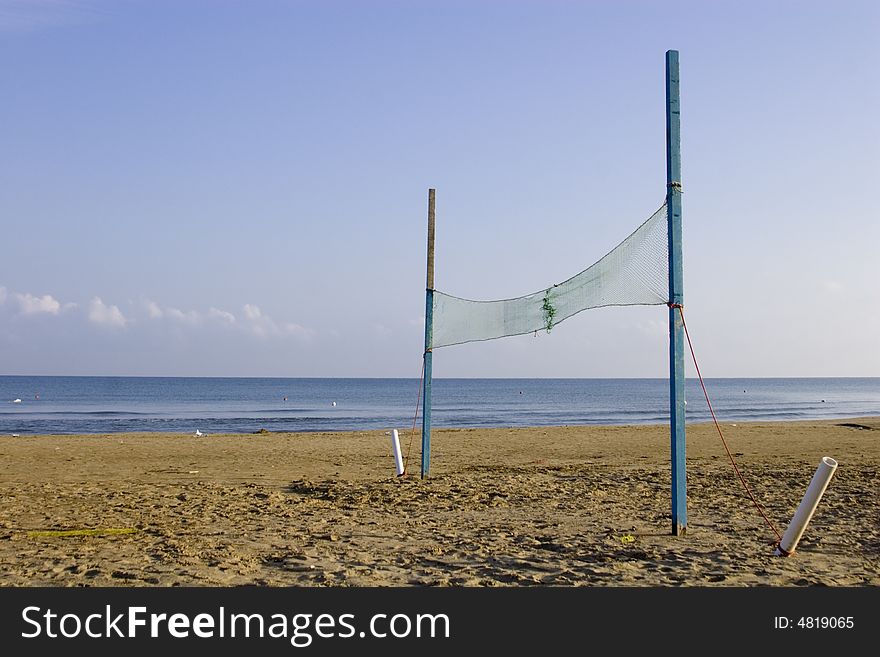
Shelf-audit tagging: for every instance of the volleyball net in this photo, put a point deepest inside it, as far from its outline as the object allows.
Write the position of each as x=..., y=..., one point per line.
x=634, y=273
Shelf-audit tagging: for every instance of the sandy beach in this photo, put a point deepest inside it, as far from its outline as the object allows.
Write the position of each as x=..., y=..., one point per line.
x=560, y=506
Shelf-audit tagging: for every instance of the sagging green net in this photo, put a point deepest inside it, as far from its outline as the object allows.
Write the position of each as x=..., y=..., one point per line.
x=634, y=273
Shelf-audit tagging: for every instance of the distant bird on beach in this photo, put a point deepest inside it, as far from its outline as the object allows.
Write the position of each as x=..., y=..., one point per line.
x=16, y=401
x=199, y=433
x=333, y=404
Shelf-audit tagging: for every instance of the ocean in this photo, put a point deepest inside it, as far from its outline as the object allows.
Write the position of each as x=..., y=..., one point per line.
x=90, y=405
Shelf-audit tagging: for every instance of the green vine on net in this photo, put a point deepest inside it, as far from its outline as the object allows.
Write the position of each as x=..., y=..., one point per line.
x=549, y=312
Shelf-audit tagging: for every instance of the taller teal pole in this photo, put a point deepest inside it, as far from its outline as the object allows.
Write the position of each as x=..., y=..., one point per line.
x=676, y=296
x=429, y=333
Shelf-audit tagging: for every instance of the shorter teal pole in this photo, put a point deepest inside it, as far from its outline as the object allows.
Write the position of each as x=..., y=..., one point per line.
x=426, y=392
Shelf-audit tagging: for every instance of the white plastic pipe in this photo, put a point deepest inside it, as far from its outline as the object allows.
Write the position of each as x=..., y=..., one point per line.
x=398, y=457
x=807, y=507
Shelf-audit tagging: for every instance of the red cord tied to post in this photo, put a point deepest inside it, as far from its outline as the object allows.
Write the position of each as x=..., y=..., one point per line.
x=739, y=474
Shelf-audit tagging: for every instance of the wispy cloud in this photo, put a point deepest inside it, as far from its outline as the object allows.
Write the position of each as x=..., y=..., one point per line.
x=263, y=326
x=31, y=305
x=222, y=315
x=186, y=317
x=153, y=310
x=106, y=315
x=252, y=312
x=191, y=317
x=252, y=321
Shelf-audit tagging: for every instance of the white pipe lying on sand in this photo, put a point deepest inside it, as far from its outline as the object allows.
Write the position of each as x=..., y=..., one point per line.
x=398, y=457
x=807, y=507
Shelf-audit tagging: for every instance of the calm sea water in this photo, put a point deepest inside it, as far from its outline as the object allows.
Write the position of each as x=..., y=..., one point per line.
x=58, y=404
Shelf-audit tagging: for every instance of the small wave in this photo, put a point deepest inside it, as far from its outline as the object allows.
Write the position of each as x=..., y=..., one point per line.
x=283, y=409
x=38, y=411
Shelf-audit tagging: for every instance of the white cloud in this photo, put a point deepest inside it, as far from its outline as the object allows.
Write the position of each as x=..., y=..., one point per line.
x=253, y=313
x=216, y=313
x=153, y=310
x=31, y=305
x=191, y=317
x=188, y=317
x=263, y=326
x=252, y=320
x=297, y=330
x=194, y=317
x=108, y=315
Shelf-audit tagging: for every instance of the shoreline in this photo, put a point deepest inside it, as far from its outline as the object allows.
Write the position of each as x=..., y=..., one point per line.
x=569, y=506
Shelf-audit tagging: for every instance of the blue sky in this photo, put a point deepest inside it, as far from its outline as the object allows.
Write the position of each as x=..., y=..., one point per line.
x=238, y=188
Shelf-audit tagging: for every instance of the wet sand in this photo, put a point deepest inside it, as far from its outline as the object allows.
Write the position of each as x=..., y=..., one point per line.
x=560, y=506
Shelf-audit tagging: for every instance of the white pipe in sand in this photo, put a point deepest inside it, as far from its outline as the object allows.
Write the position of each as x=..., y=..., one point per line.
x=398, y=457
x=807, y=507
